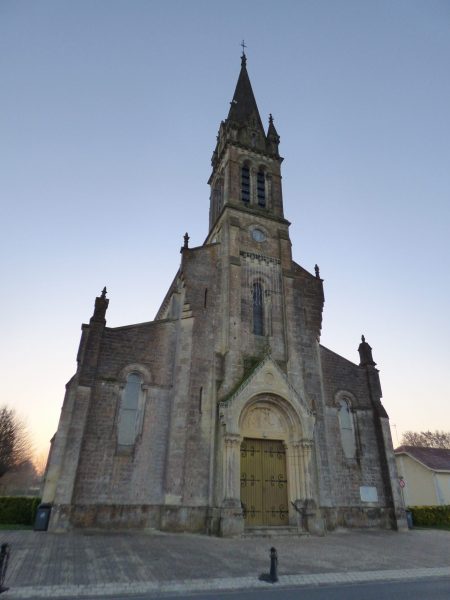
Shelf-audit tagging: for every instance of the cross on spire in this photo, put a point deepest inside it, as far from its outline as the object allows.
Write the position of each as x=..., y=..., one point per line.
x=243, y=57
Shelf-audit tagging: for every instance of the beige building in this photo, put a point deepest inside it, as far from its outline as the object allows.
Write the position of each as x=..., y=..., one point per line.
x=225, y=413
x=426, y=474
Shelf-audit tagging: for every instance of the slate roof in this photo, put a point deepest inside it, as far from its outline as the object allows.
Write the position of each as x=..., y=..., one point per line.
x=243, y=106
x=436, y=459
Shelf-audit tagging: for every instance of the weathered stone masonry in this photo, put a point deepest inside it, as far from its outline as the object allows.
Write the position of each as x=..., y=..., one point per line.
x=158, y=420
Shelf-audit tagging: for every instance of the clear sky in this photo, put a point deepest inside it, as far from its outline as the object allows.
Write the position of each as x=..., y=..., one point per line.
x=108, y=115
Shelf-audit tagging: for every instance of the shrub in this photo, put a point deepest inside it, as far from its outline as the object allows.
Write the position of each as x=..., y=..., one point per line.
x=18, y=510
x=430, y=515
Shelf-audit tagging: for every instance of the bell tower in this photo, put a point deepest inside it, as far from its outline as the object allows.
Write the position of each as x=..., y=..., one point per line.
x=246, y=219
x=245, y=162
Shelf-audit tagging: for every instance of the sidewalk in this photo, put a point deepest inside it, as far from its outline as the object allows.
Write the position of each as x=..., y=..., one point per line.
x=45, y=565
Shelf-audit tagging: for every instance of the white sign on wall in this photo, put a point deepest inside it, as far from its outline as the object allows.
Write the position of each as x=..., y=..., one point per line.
x=368, y=493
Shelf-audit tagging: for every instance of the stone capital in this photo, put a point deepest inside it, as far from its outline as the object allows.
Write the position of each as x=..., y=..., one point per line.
x=232, y=439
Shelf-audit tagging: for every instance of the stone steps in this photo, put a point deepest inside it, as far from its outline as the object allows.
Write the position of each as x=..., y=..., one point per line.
x=286, y=530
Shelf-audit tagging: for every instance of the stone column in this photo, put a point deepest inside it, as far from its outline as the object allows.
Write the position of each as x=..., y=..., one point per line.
x=296, y=483
x=231, y=475
x=307, y=474
x=231, y=517
x=301, y=471
x=313, y=521
x=295, y=474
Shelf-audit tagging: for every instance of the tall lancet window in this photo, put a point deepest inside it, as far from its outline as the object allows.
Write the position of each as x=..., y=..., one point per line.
x=261, y=188
x=129, y=416
x=217, y=197
x=347, y=428
x=258, y=309
x=245, y=184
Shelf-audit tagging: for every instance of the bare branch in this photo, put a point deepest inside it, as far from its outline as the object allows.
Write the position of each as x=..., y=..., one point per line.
x=427, y=439
x=15, y=444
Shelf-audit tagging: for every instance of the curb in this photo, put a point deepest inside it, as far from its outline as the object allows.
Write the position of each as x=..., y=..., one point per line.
x=222, y=584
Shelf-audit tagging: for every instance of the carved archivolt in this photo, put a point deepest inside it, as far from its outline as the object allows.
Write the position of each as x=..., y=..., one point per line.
x=271, y=416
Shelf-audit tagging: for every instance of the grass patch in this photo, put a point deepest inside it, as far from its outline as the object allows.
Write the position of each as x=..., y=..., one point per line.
x=14, y=526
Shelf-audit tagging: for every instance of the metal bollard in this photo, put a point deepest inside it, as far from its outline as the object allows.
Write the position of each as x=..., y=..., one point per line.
x=271, y=577
x=4, y=559
x=273, y=565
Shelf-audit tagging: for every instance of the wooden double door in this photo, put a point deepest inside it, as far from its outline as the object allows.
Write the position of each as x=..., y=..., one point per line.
x=264, y=493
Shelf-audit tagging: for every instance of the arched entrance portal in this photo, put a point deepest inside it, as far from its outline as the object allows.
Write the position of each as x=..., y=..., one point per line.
x=268, y=476
x=279, y=427
x=264, y=494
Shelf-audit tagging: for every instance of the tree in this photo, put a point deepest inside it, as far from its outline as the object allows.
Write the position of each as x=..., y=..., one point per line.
x=20, y=481
x=15, y=446
x=427, y=439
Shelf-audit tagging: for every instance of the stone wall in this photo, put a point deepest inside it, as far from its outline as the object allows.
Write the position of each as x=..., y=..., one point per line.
x=341, y=377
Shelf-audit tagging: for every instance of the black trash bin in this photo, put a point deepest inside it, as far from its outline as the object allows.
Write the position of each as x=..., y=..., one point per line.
x=42, y=517
x=409, y=519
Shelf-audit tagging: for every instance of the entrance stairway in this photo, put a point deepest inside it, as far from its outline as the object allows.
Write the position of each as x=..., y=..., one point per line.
x=262, y=531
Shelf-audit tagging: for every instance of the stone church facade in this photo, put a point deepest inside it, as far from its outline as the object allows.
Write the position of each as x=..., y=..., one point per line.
x=226, y=413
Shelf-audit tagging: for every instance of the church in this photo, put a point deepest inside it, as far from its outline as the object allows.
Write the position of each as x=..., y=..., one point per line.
x=225, y=415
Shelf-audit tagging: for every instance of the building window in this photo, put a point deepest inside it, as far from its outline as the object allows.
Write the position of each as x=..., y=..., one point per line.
x=346, y=426
x=200, y=401
x=217, y=197
x=258, y=309
x=130, y=410
x=261, y=188
x=245, y=184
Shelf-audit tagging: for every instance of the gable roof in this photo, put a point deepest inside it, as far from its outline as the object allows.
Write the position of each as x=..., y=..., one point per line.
x=436, y=459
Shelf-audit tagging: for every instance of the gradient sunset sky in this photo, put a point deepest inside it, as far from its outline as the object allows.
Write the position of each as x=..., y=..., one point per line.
x=109, y=111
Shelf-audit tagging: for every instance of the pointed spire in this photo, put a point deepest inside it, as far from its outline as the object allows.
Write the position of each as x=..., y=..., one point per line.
x=273, y=138
x=244, y=110
x=101, y=304
x=272, y=132
x=186, y=239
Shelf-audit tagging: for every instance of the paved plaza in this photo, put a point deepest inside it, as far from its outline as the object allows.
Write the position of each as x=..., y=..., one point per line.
x=84, y=564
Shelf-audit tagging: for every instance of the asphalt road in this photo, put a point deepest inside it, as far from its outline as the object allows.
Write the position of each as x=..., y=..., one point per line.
x=431, y=589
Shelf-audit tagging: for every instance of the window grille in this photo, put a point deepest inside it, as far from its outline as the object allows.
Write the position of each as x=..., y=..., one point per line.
x=258, y=309
x=245, y=184
x=261, y=188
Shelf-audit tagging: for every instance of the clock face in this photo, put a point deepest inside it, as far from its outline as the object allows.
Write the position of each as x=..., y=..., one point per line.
x=258, y=235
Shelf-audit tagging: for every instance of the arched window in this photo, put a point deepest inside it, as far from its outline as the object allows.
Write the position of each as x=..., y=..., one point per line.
x=258, y=309
x=261, y=188
x=130, y=408
x=245, y=184
x=346, y=426
x=217, y=197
